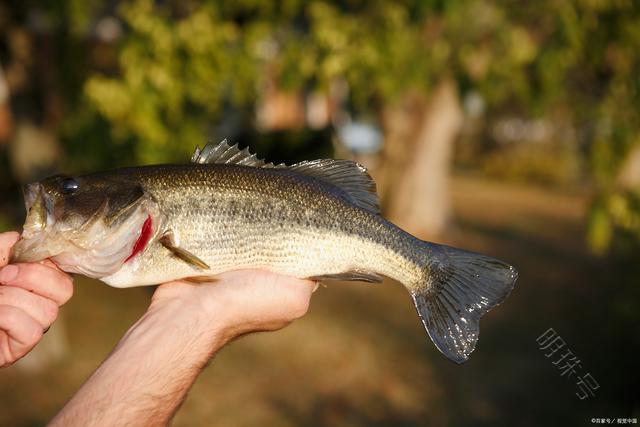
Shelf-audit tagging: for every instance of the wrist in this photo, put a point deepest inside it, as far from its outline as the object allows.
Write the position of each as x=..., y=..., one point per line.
x=181, y=321
x=210, y=315
x=157, y=360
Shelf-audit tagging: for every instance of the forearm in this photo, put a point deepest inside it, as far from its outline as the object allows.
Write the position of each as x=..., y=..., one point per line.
x=147, y=376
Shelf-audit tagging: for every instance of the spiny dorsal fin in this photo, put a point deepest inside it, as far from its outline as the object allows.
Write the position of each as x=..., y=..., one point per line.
x=351, y=177
x=347, y=175
x=223, y=153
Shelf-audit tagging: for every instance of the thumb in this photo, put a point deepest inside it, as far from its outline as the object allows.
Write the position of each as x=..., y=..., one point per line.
x=7, y=240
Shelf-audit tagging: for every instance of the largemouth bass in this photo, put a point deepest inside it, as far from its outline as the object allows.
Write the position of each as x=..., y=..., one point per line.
x=229, y=210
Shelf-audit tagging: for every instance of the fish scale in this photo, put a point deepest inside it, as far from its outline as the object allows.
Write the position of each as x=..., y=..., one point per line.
x=233, y=210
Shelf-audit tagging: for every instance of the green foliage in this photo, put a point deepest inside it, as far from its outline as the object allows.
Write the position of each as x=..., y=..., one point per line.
x=618, y=211
x=181, y=64
x=174, y=75
x=178, y=70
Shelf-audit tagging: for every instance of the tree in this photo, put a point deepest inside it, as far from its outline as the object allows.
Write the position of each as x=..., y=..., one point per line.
x=178, y=68
x=405, y=62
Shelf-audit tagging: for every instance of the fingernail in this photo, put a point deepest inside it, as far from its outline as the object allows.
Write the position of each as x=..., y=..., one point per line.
x=8, y=273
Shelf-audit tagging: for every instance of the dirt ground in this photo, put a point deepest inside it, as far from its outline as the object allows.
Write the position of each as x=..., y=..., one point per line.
x=361, y=357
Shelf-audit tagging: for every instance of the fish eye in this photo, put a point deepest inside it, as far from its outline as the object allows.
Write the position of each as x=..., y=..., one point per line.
x=69, y=185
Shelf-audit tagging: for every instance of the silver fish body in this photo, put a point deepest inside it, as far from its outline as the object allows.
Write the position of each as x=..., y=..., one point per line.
x=228, y=210
x=235, y=217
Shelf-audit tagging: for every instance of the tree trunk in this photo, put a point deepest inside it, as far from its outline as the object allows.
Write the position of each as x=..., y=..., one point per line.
x=414, y=176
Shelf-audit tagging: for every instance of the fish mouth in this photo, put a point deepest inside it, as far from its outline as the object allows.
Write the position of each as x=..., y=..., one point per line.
x=38, y=206
x=30, y=193
x=96, y=245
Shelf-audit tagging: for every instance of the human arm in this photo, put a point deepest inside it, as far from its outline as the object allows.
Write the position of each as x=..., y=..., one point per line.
x=148, y=374
x=30, y=295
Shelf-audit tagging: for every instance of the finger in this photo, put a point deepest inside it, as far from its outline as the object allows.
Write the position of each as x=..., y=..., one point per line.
x=303, y=286
x=23, y=332
x=282, y=280
x=298, y=296
x=42, y=280
x=173, y=289
x=48, y=263
x=7, y=240
x=43, y=310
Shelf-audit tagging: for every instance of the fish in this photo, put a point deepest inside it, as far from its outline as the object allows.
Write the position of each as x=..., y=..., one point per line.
x=229, y=210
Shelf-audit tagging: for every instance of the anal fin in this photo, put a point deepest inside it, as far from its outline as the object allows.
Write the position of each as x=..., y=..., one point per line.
x=168, y=241
x=350, y=276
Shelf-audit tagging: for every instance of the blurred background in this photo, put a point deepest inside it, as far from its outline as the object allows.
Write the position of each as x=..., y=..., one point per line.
x=505, y=127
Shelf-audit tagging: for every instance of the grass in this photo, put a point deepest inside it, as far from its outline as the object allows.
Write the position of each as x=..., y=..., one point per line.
x=361, y=358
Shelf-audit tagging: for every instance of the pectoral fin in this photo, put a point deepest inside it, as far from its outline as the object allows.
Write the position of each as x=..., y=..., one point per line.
x=168, y=242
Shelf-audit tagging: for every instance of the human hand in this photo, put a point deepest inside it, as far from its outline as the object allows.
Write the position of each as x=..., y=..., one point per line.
x=240, y=302
x=159, y=358
x=30, y=295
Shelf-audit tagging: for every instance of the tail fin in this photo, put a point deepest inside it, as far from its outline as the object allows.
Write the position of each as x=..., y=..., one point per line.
x=459, y=290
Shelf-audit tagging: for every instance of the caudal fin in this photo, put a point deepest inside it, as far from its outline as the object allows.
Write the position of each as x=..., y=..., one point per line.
x=461, y=288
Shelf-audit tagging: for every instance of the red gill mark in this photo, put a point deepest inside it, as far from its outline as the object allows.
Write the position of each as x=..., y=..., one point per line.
x=145, y=235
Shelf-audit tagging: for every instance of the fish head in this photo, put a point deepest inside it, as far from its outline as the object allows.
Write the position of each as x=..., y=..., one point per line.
x=86, y=225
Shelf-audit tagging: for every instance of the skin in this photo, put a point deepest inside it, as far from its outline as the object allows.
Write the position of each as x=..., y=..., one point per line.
x=30, y=295
x=147, y=376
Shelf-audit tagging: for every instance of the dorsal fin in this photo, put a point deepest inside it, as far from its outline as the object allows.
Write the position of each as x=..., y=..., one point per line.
x=349, y=176
x=223, y=153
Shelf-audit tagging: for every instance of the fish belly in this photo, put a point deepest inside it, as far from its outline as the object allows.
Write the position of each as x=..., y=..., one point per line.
x=298, y=253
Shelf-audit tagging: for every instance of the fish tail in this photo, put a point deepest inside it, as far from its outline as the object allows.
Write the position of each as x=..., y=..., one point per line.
x=457, y=289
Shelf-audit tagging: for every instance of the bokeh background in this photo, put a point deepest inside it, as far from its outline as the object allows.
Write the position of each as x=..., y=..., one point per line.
x=505, y=127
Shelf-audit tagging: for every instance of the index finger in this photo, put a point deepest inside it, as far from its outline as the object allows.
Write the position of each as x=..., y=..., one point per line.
x=7, y=240
x=40, y=279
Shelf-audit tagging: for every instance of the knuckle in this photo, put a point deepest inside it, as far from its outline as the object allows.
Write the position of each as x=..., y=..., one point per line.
x=65, y=288
x=68, y=290
x=32, y=339
x=26, y=277
x=51, y=311
x=10, y=318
